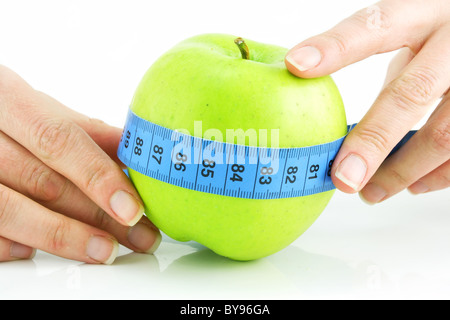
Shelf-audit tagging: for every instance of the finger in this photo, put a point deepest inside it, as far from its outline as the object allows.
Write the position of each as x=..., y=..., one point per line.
x=437, y=179
x=25, y=221
x=10, y=250
x=397, y=109
x=23, y=172
x=427, y=150
x=104, y=135
x=26, y=174
x=398, y=64
x=384, y=27
x=65, y=147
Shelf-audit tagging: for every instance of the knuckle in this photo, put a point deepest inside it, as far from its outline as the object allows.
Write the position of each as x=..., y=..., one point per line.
x=340, y=41
x=53, y=137
x=440, y=136
x=401, y=181
x=98, y=173
x=375, y=138
x=42, y=183
x=414, y=90
x=56, y=235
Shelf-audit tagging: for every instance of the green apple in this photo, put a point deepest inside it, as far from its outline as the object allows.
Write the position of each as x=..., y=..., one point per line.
x=226, y=86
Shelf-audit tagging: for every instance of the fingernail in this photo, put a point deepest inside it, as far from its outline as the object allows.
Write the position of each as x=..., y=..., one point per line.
x=126, y=207
x=304, y=58
x=102, y=249
x=372, y=193
x=352, y=171
x=20, y=251
x=418, y=187
x=144, y=238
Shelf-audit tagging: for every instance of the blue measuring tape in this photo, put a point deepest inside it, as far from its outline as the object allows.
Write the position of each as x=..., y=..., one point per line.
x=227, y=169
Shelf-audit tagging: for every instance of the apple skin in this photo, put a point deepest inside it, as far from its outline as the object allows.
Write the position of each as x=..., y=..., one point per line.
x=205, y=78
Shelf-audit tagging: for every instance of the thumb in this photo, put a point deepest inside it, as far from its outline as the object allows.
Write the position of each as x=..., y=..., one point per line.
x=383, y=27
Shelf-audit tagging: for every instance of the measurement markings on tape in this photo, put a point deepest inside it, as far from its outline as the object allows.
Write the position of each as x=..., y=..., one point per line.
x=227, y=169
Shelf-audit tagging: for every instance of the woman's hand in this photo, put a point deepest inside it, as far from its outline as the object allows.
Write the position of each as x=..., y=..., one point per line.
x=417, y=78
x=62, y=188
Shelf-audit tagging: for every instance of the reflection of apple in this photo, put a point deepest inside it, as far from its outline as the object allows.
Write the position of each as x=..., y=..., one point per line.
x=208, y=78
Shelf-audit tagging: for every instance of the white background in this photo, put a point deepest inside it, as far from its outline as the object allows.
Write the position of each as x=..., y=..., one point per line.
x=91, y=55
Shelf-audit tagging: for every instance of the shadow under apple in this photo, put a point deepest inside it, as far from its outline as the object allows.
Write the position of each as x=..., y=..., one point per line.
x=289, y=273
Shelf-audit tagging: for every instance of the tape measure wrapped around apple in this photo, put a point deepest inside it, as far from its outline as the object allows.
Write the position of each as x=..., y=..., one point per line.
x=197, y=189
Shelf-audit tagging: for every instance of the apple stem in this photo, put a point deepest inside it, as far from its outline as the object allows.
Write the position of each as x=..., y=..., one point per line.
x=243, y=48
